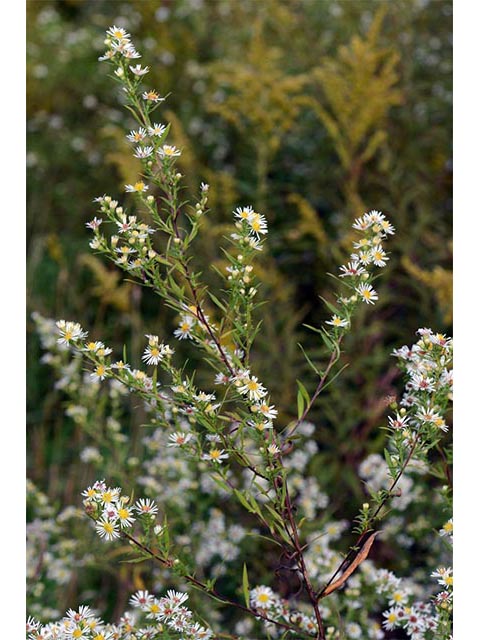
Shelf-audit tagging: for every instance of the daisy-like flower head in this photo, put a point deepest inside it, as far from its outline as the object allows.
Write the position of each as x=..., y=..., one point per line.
x=273, y=449
x=100, y=372
x=399, y=422
x=353, y=268
x=178, y=439
x=387, y=228
x=367, y=293
x=84, y=613
x=364, y=256
x=157, y=129
x=184, y=330
x=392, y=618
x=153, y=354
x=363, y=223
x=108, y=55
x=262, y=597
x=137, y=136
x=70, y=331
x=138, y=187
x=141, y=599
x=107, y=529
x=124, y=516
x=258, y=224
x=169, y=151
x=421, y=382
x=32, y=624
x=374, y=216
x=143, y=152
x=94, y=347
x=398, y=597
x=338, y=322
x=94, y=224
x=427, y=415
x=244, y=213
x=379, y=257
x=130, y=52
x=118, y=33
x=215, y=455
x=152, y=96
x=176, y=597
x=222, y=378
x=145, y=505
x=267, y=411
x=251, y=387
x=261, y=426
x=138, y=70
x=447, y=529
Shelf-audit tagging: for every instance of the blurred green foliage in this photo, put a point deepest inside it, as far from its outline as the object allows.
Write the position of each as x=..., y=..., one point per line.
x=312, y=111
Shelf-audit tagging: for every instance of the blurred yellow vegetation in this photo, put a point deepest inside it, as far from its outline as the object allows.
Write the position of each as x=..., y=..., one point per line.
x=439, y=280
x=109, y=288
x=357, y=90
x=309, y=222
x=260, y=100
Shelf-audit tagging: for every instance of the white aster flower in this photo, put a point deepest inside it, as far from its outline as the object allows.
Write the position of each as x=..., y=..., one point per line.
x=107, y=529
x=138, y=187
x=336, y=321
x=169, y=151
x=138, y=70
x=367, y=293
x=178, y=439
x=215, y=455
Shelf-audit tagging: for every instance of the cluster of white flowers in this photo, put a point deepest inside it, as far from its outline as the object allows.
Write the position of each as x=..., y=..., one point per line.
x=131, y=247
x=374, y=470
x=118, y=42
x=218, y=543
x=110, y=510
x=171, y=612
x=321, y=559
x=267, y=602
x=368, y=251
x=168, y=611
x=430, y=381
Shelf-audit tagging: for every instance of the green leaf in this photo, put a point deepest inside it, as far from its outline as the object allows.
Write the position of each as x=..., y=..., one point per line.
x=331, y=307
x=242, y=499
x=219, y=304
x=300, y=404
x=245, y=585
x=319, y=373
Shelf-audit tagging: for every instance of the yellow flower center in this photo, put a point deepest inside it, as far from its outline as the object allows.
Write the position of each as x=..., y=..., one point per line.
x=139, y=186
x=215, y=454
x=264, y=598
x=252, y=385
x=108, y=526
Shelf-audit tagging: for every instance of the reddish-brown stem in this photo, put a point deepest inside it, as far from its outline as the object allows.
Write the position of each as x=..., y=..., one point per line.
x=356, y=548
x=169, y=563
x=320, y=385
x=293, y=534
